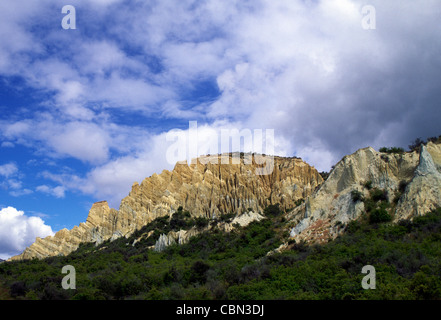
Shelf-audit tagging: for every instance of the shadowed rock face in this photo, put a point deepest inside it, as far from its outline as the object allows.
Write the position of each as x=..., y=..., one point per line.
x=332, y=206
x=206, y=190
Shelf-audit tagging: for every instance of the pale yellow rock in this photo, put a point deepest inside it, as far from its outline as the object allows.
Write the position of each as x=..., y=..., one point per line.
x=100, y=226
x=205, y=189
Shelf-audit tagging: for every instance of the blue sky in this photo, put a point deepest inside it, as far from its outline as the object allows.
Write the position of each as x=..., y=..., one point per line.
x=84, y=113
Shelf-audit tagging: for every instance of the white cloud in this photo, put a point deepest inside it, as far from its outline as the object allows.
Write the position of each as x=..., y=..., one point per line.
x=128, y=93
x=8, y=169
x=112, y=180
x=81, y=140
x=20, y=192
x=15, y=184
x=84, y=140
x=99, y=57
x=7, y=144
x=312, y=72
x=57, y=192
x=18, y=231
x=12, y=180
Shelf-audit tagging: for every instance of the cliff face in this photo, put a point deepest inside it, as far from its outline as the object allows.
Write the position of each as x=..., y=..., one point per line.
x=99, y=226
x=206, y=190
x=332, y=206
x=423, y=194
x=213, y=189
x=411, y=181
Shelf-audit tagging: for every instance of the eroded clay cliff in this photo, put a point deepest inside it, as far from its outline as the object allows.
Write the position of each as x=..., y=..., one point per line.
x=207, y=189
x=325, y=213
x=411, y=181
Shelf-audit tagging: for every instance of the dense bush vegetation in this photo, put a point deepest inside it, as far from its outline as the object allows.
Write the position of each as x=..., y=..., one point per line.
x=392, y=150
x=325, y=175
x=413, y=146
x=377, y=205
x=235, y=265
x=272, y=211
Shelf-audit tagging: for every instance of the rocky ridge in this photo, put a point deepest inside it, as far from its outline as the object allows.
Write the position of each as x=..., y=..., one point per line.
x=207, y=189
x=331, y=207
x=411, y=182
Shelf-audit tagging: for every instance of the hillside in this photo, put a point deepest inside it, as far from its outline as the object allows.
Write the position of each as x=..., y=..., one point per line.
x=235, y=265
x=390, y=185
x=221, y=232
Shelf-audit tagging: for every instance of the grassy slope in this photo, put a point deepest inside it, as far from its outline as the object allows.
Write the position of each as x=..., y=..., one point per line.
x=219, y=265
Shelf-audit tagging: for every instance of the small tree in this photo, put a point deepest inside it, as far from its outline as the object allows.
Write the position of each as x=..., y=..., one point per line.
x=356, y=196
x=379, y=215
x=273, y=210
x=416, y=145
x=368, y=185
x=392, y=150
x=201, y=222
x=378, y=195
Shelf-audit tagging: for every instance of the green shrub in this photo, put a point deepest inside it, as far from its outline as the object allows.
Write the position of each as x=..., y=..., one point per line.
x=201, y=222
x=436, y=140
x=353, y=226
x=199, y=271
x=324, y=175
x=379, y=215
x=228, y=217
x=179, y=220
x=392, y=150
x=368, y=185
x=378, y=195
x=416, y=145
x=272, y=210
x=356, y=196
x=18, y=288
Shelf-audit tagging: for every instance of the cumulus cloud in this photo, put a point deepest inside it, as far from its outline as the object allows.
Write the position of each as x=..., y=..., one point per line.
x=112, y=180
x=18, y=231
x=89, y=141
x=330, y=85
